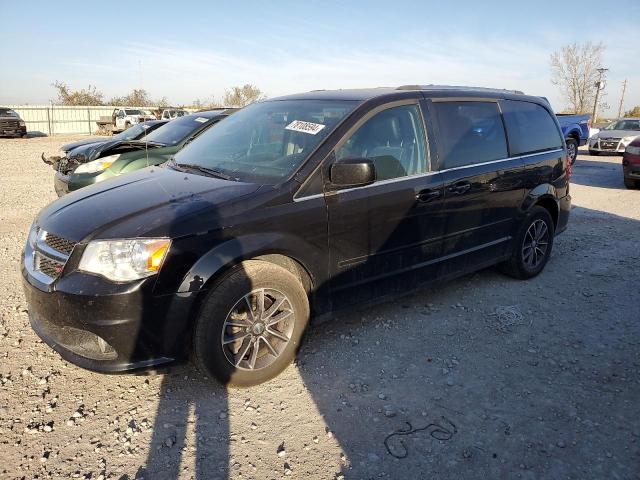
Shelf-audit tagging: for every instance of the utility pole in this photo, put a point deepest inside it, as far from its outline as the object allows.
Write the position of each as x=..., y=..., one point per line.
x=624, y=89
x=599, y=86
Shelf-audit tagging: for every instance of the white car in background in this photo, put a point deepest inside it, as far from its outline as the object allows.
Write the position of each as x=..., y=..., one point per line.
x=615, y=137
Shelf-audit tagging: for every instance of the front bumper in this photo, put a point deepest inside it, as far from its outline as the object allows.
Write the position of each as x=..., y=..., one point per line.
x=13, y=131
x=608, y=146
x=107, y=327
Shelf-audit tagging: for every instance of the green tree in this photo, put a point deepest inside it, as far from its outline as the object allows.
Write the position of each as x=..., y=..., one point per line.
x=574, y=69
x=242, y=96
x=634, y=112
x=66, y=96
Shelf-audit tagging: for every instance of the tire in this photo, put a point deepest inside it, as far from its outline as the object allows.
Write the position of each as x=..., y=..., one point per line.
x=630, y=183
x=572, y=149
x=229, y=298
x=594, y=153
x=126, y=125
x=521, y=265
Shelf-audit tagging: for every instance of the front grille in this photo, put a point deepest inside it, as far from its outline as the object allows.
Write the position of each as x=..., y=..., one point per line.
x=50, y=267
x=58, y=243
x=9, y=123
x=47, y=254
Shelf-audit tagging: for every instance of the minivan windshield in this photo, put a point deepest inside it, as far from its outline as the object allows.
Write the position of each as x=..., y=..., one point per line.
x=267, y=141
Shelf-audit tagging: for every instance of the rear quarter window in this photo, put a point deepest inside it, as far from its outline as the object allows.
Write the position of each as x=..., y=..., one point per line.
x=470, y=133
x=530, y=128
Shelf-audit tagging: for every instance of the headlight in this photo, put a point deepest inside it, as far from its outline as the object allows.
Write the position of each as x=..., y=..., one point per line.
x=627, y=140
x=124, y=260
x=22, y=124
x=632, y=150
x=97, y=165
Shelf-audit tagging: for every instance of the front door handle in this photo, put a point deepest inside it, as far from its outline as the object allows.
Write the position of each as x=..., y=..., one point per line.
x=427, y=195
x=459, y=187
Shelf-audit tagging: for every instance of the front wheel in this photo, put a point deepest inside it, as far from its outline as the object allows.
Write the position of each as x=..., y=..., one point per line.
x=532, y=245
x=572, y=150
x=250, y=325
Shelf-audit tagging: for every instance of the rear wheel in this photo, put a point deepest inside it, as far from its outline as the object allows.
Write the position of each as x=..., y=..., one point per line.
x=532, y=246
x=572, y=149
x=630, y=183
x=250, y=326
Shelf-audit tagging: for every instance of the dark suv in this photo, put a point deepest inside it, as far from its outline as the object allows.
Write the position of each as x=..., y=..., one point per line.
x=293, y=207
x=11, y=125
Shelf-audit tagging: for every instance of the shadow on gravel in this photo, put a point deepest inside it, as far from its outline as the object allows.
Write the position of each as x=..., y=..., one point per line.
x=191, y=420
x=598, y=174
x=437, y=384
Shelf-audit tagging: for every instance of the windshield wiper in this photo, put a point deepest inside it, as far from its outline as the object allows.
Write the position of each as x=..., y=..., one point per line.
x=141, y=142
x=199, y=168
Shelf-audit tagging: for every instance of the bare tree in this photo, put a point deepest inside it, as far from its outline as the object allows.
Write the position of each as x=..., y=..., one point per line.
x=241, y=96
x=574, y=69
x=66, y=96
x=138, y=97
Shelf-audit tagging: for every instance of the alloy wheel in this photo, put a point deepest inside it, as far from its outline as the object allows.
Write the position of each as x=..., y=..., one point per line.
x=258, y=329
x=535, y=245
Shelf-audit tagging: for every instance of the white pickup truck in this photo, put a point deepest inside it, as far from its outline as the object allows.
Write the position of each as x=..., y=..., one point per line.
x=123, y=118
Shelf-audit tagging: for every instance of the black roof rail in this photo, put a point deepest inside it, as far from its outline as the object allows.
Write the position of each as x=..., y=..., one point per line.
x=455, y=87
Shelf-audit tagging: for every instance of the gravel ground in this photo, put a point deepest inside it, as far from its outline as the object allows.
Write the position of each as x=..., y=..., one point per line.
x=483, y=377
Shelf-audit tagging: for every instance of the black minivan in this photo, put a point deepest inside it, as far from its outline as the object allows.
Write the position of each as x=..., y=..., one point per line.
x=292, y=208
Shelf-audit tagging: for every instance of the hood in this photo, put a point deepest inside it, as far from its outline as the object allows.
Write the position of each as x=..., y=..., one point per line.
x=94, y=151
x=616, y=133
x=87, y=141
x=149, y=202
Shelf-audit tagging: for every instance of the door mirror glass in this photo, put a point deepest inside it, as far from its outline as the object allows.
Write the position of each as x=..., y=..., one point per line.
x=353, y=172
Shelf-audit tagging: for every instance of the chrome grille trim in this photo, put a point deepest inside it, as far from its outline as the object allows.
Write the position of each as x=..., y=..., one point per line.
x=46, y=257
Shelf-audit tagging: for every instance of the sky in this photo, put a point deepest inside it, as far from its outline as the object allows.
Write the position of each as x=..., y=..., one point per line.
x=196, y=50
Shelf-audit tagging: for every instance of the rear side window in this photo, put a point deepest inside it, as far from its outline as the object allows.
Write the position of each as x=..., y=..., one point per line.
x=530, y=128
x=470, y=132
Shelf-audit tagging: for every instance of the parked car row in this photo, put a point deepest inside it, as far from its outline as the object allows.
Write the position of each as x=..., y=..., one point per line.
x=286, y=210
x=92, y=160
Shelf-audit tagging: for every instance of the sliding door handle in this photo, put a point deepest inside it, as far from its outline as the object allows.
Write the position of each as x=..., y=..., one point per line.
x=459, y=187
x=427, y=195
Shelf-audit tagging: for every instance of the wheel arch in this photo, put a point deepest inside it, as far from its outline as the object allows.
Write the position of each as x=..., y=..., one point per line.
x=544, y=196
x=274, y=248
x=219, y=262
x=574, y=135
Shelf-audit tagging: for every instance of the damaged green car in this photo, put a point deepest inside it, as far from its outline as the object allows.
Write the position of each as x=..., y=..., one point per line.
x=130, y=155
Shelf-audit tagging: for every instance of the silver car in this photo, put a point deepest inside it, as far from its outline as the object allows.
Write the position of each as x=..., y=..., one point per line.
x=615, y=137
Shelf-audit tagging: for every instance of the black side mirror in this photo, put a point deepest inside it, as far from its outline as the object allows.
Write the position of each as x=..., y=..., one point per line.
x=352, y=172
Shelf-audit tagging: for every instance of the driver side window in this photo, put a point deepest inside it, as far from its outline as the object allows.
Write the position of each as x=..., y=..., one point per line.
x=393, y=140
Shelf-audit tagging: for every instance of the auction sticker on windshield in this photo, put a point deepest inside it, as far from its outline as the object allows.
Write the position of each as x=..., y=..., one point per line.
x=201, y=119
x=305, y=127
